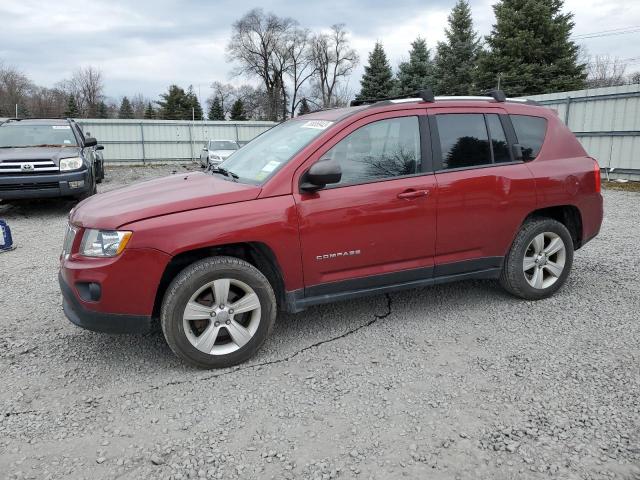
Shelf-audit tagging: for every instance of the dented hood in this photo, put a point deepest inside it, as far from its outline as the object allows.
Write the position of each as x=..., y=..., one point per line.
x=176, y=193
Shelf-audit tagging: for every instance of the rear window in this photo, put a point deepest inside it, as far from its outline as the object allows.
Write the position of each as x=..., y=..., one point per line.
x=530, y=132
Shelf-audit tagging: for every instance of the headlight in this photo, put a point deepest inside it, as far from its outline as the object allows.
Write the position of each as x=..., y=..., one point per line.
x=73, y=163
x=103, y=243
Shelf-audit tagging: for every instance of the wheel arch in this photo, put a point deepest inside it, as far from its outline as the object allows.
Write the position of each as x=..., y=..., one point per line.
x=568, y=215
x=258, y=254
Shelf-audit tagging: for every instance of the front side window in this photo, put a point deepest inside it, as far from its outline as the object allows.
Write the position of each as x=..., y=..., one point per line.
x=383, y=149
x=530, y=132
x=15, y=134
x=267, y=153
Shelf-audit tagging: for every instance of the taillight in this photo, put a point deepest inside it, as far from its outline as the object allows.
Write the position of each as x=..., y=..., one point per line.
x=596, y=171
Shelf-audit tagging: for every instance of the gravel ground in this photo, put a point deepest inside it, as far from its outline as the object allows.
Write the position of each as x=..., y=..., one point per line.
x=456, y=381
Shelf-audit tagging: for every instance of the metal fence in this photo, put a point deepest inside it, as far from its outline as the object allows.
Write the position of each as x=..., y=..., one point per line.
x=156, y=141
x=607, y=123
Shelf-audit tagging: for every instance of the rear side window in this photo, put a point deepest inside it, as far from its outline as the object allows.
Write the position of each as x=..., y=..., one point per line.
x=499, y=142
x=464, y=141
x=530, y=132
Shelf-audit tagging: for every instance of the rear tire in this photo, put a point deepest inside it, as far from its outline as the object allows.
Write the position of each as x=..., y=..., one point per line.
x=539, y=260
x=218, y=312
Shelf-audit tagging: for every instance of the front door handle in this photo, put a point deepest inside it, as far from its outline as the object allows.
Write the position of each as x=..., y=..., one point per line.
x=409, y=194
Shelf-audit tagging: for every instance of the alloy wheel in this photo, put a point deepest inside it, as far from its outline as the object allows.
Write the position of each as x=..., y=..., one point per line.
x=544, y=260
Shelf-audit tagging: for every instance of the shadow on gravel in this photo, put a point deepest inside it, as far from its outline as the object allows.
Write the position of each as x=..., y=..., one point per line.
x=53, y=207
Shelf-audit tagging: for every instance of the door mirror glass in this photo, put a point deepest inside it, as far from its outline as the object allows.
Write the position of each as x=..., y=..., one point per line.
x=90, y=142
x=321, y=174
x=100, y=147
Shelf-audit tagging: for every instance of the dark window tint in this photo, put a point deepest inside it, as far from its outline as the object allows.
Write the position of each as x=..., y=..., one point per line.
x=498, y=139
x=383, y=149
x=463, y=140
x=530, y=132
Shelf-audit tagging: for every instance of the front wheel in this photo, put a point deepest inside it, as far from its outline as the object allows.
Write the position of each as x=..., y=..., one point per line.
x=218, y=312
x=539, y=261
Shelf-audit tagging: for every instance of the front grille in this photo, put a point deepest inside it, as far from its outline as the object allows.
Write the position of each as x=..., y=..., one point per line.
x=33, y=167
x=28, y=186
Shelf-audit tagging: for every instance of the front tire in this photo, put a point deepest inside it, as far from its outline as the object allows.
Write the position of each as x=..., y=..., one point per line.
x=218, y=312
x=539, y=260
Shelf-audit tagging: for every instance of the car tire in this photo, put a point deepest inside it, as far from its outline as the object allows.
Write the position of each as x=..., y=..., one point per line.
x=539, y=260
x=198, y=317
x=92, y=190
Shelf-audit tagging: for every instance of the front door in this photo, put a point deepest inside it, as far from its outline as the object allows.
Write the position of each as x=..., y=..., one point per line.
x=377, y=226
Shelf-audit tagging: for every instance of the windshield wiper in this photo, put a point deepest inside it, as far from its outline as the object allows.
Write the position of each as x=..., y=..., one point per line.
x=224, y=172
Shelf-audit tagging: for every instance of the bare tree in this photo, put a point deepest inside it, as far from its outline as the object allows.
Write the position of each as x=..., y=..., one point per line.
x=301, y=64
x=226, y=94
x=334, y=59
x=605, y=71
x=86, y=86
x=255, y=42
x=634, y=78
x=15, y=89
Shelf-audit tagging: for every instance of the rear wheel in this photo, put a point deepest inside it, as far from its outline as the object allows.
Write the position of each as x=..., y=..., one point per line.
x=539, y=261
x=218, y=312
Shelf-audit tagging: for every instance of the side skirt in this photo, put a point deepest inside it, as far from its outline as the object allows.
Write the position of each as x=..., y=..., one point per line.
x=486, y=268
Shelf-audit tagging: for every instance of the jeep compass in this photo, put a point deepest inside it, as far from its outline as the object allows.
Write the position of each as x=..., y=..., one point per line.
x=337, y=204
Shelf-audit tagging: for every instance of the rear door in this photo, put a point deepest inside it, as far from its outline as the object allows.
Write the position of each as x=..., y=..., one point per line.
x=483, y=194
x=377, y=226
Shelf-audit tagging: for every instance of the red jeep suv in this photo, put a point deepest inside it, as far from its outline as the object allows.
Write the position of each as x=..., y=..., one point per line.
x=386, y=195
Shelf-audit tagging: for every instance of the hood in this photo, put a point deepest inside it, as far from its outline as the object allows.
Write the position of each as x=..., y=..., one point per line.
x=38, y=153
x=161, y=196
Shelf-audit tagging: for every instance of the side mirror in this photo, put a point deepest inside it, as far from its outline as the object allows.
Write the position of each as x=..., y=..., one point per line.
x=321, y=174
x=90, y=142
x=518, y=153
x=205, y=149
x=100, y=147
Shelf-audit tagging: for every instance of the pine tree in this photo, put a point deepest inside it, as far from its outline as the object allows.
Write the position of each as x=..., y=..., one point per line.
x=215, y=110
x=175, y=105
x=417, y=72
x=530, y=49
x=126, y=110
x=304, y=107
x=194, y=110
x=377, y=81
x=149, y=112
x=456, y=58
x=237, y=111
x=72, y=109
x=101, y=110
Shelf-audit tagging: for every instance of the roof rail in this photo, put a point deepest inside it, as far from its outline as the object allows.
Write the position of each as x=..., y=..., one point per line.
x=13, y=119
x=425, y=95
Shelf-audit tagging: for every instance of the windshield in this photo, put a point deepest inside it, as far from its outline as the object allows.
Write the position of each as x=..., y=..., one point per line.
x=222, y=145
x=25, y=135
x=264, y=155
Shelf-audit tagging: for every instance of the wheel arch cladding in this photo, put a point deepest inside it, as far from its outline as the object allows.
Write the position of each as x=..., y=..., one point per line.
x=568, y=215
x=257, y=254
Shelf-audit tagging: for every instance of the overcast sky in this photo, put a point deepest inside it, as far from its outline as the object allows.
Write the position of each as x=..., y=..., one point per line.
x=145, y=45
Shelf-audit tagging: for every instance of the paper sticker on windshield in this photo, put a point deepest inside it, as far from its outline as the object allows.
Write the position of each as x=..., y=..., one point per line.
x=271, y=166
x=61, y=127
x=318, y=124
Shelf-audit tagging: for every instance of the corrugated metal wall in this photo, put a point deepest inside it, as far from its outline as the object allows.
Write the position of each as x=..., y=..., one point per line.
x=607, y=123
x=144, y=141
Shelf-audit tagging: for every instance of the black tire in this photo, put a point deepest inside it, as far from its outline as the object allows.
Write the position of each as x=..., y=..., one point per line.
x=193, y=277
x=93, y=189
x=513, y=277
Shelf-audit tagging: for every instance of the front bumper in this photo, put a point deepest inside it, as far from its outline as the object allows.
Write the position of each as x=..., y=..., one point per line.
x=100, y=321
x=42, y=186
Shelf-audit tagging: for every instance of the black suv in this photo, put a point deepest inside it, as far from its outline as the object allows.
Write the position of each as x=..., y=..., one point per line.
x=47, y=158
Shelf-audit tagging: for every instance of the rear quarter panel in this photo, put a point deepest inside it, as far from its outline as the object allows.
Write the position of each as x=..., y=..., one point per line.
x=565, y=175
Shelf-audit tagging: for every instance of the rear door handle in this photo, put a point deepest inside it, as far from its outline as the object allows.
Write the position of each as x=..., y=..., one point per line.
x=409, y=194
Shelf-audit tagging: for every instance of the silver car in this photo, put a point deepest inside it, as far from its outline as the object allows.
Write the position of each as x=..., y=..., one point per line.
x=215, y=151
